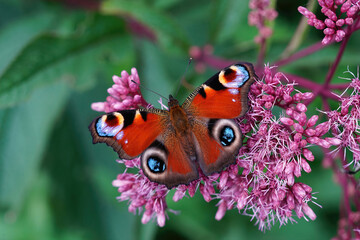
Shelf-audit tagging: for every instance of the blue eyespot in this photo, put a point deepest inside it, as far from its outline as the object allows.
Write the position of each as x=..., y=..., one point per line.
x=244, y=75
x=227, y=136
x=155, y=164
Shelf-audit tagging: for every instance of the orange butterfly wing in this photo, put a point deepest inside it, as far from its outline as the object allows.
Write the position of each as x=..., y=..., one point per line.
x=128, y=132
x=225, y=95
x=146, y=132
x=215, y=103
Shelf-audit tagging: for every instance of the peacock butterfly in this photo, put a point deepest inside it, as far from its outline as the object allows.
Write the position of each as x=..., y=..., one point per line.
x=199, y=135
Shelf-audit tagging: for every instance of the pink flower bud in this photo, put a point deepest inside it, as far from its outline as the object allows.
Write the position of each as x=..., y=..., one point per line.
x=268, y=105
x=306, y=12
x=298, y=211
x=324, y=143
x=339, y=2
x=205, y=193
x=192, y=190
x=330, y=14
x=329, y=3
x=340, y=22
x=322, y=128
x=161, y=219
x=302, y=143
x=290, y=179
x=287, y=121
x=179, y=194
x=322, y=3
x=298, y=192
x=112, y=92
x=330, y=23
x=289, y=167
x=146, y=217
x=327, y=39
x=308, y=211
x=289, y=111
x=329, y=31
x=98, y=106
x=298, y=97
x=349, y=21
x=116, y=79
x=311, y=21
x=318, y=24
x=302, y=119
x=308, y=154
x=340, y=34
x=119, y=106
x=313, y=140
x=310, y=132
x=333, y=141
x=312, y=121
x=287, y=98
x=242, y=200
x=290, y=200
x=298, y=128
x=223, y=179
x=221, y=211
x=307, y=188
x=297, y=137
x=301, y=107
x=352, y=11
x=294, y=145
x=307, y=95
x=305, y=165
x=124, y=76
x=346, y=6
x=297, y=170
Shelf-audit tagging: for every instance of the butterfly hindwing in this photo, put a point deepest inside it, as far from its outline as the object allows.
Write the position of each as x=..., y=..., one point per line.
x=219, y=142
x=224, y=95
x=166, y=161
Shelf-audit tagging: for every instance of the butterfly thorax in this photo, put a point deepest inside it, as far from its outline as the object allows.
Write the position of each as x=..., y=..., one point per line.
x=178, y=117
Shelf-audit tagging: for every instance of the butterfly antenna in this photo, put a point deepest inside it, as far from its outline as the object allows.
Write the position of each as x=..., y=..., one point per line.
x=183, y=77
x=142, y=86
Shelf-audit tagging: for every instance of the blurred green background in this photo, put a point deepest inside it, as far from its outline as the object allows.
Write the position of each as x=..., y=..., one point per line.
x=57, y=57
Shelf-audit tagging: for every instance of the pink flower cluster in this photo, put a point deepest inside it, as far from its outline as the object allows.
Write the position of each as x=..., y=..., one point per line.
x=333, y=25
x=141, y=193
x=124, y=94
x=345, y=123
x=260, y=13
x=263, y=182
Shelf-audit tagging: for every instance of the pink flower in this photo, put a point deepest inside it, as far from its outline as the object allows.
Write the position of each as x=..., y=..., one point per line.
x=344, y=122
x=124, y=94
x=260, y=13
x=333, y=25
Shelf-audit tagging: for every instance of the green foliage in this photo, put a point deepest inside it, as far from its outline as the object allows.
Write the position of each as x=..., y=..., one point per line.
x=55, y=61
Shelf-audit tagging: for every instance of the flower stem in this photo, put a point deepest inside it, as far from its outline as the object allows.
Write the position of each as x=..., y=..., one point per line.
x=332, y=69
x=261, y=56
x=307, y=51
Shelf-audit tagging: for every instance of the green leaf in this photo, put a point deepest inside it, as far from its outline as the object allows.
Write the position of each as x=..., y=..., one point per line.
x=24, y=135
x=168, y=32
x=228, y=18
x=16, y=35
x=154, y=75
x=49, y=57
